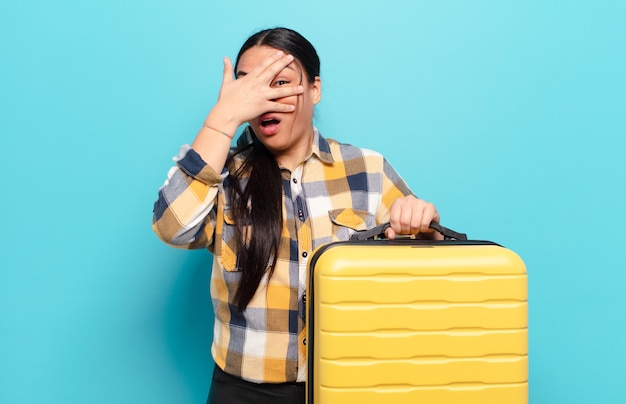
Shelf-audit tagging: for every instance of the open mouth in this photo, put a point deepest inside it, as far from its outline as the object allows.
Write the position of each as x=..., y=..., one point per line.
x=269, y=122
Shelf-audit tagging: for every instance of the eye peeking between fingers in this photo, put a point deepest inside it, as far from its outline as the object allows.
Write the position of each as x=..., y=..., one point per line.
x=279, y=83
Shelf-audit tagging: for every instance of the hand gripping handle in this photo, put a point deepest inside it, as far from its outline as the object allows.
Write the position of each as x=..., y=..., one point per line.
x=379, y=232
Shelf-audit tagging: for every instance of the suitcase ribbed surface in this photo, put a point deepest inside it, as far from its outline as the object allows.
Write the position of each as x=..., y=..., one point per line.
x=403, y=322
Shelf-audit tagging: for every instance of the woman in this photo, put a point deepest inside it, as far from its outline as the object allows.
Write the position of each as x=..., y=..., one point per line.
x=262, y=208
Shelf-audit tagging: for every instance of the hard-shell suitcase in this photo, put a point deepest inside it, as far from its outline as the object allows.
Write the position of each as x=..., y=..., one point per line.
x=410, y=321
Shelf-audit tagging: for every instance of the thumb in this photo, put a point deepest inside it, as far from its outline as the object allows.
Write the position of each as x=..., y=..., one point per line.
x=228, y=71
x=390, y=233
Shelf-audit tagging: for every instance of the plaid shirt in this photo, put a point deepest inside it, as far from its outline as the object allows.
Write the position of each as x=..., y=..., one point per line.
x=335, y=191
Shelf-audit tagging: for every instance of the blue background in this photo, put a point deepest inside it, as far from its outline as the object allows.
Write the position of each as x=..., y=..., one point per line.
x=510, y=116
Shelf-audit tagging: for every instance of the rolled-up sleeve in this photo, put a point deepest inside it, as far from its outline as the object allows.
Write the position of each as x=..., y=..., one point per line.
x=393, y=187
x=184, y=213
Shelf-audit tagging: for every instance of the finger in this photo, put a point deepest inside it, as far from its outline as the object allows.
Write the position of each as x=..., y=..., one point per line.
x=279, y=65
x=401, y=215
x=394, y=216
x=435, y=218
x=265, y=63
x=429, y=215
x=390, y=234
x=228, y=71
x=411, y=215
x=404, y=220
x=280, y=107
x=284, y=91
x=271, y=66
x=415, y=220
x=425, y=223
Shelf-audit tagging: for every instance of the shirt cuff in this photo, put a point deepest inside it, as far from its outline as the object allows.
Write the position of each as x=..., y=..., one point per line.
x=192, y=164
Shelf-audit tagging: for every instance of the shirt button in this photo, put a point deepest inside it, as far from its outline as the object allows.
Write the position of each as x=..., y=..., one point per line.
x=295, y=180
x=304, y=341
x=304, y=254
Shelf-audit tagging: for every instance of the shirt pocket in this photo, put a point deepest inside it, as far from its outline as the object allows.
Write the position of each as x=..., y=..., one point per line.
x=346, y=221
x=228, y=250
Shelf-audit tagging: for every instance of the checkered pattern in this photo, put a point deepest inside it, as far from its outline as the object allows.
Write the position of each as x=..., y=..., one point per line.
x=337, y=190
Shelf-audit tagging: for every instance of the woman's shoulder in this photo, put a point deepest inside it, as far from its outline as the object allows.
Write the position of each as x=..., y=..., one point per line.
x=347, y=150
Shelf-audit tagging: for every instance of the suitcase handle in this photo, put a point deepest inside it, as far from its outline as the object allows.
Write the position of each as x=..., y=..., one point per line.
x=379, y=232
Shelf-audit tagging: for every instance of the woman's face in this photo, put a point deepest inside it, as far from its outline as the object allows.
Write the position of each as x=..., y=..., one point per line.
x=290, y=132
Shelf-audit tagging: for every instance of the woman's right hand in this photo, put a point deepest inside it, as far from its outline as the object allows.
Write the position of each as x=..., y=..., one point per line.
x=251, y=95
x=242, y=100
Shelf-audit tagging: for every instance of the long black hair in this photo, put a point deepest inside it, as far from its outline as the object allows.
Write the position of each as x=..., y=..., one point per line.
x=257, y=205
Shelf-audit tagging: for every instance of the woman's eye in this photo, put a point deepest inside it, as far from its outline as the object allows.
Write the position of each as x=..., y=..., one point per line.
x=280, y=82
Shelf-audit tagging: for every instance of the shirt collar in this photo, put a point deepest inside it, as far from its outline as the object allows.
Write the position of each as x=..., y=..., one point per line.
x=321, y=148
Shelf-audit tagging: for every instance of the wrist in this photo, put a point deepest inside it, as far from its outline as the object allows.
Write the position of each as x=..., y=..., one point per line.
x=214, y=129
x=223, y=119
